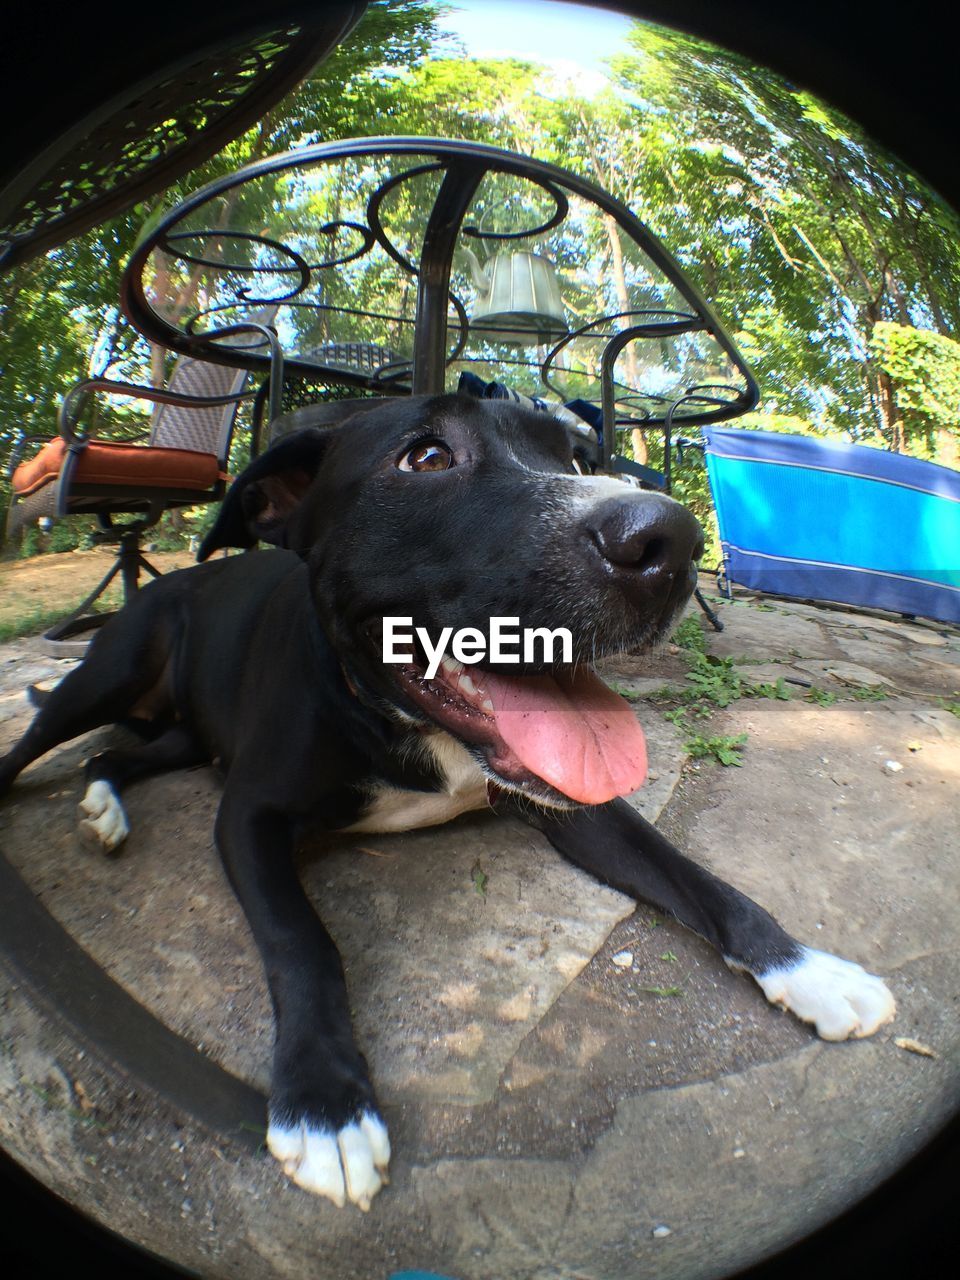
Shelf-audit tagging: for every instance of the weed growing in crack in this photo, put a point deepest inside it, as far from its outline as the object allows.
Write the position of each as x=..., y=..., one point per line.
x=822, y=697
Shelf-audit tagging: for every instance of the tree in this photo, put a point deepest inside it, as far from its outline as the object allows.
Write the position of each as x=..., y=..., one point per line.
x=923, y=372
x=795, y=223
x=59, y=313
x=820, y=252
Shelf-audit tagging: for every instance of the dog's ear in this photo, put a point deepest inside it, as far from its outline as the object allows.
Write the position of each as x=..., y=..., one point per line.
x=264, y=496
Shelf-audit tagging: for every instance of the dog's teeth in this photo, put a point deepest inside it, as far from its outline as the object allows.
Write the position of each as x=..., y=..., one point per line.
x=466, y=686
x=451, y=667
x=486, y=706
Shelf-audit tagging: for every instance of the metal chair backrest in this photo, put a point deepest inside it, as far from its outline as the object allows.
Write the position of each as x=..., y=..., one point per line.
x=202, y=429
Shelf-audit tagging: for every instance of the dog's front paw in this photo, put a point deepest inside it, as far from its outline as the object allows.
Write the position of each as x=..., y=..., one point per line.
x=103, y=823
x=349, y=1163
x=839, y=997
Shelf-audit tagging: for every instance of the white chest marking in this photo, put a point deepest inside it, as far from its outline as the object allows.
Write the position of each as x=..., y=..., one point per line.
x=464, y=787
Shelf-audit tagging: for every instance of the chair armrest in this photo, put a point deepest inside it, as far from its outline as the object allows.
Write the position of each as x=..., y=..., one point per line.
x=72, y=403
x=16, y=453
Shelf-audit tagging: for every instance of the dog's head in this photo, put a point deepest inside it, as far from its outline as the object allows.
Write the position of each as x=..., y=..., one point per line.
x=453, y=511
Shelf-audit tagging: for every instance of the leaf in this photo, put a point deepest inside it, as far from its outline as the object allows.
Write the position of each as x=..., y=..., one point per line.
x=480, y=878
x=914, y=1046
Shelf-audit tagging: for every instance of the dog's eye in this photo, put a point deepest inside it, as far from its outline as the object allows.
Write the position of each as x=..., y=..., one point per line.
x=427, y=455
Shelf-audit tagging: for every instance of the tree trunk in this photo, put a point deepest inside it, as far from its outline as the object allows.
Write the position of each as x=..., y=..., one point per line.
x=890, y=414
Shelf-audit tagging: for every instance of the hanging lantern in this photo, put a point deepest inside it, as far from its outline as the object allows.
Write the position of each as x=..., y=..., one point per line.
x=519, y=300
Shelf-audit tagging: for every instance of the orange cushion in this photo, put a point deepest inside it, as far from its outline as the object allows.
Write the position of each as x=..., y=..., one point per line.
x=126, y=464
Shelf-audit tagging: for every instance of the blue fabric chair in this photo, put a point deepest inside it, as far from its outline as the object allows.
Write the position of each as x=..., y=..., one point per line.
x=821, y=520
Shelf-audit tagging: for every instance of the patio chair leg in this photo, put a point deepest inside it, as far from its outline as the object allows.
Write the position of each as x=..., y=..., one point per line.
x=71, y=637
x=714, y=620
x=130, y=563
x=66, y=639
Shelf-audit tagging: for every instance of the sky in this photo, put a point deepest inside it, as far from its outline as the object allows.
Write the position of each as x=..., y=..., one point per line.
x=568, y=36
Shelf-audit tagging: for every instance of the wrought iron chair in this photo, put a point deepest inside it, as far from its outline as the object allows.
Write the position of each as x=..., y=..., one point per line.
x=182, y=463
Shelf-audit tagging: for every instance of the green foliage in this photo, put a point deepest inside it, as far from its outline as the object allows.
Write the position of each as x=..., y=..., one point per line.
x=822, y=697
x=713, y=680
x=801, y=230
x=689, y=635
x=64, y=536
x=777, y=690
x=869, y=693
x=664, y=991
x=175, y=531
x=30, y=544
x=631, y=695
x=29, y=624
x=725, y=749
x=59, y=313
x=924, y=368
x=835, y=268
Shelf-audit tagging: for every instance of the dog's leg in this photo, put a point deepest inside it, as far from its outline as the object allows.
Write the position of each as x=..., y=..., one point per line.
x=325, y=1127
x=103, y=822
x=620, y=848
x=72, y=708
x=126, y=659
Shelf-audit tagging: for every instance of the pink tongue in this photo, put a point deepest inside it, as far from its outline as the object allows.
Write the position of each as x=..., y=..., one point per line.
x=571, y=731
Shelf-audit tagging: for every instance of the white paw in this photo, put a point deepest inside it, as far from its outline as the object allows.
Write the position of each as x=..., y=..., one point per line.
x=102, y=820
x=839, y=997
x=349, y=1164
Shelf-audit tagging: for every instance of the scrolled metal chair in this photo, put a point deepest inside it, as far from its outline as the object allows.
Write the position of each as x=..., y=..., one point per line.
x=182, y=463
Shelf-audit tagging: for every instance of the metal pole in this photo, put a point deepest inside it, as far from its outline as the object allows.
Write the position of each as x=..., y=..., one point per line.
x=430, y=342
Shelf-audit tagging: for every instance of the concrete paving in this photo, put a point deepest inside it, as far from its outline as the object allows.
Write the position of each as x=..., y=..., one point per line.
x=555, y=1114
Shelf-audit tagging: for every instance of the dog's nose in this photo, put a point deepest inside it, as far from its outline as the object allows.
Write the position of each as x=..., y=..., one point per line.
x=648, y=535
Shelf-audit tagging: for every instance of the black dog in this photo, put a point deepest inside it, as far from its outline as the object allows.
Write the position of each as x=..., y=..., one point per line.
x=449, y=511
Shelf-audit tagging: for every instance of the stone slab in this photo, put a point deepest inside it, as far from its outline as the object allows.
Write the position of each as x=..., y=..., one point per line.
x=769, y=631
x=614, y=1111
x=446, y=981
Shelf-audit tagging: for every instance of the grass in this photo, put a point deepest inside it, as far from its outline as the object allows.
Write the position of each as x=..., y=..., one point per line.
x=712, y=682
x=38, y=592
x=777, y=690
x=29, y=624
x=631, y=695
x=39, y=620
x=675, y=990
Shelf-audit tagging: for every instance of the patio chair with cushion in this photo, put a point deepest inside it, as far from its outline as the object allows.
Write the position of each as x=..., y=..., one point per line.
x=182, y=463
